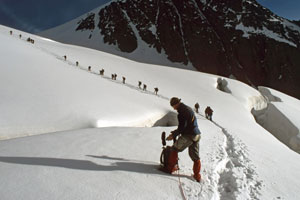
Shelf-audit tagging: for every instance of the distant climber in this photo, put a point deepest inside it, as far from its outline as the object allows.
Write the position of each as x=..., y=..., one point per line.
x=30, y=40
x=102, y=72
x=156, y=90
x=197, y=107
x=208, y=113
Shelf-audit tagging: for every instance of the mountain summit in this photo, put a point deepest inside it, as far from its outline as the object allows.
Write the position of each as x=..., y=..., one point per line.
x=233, y=38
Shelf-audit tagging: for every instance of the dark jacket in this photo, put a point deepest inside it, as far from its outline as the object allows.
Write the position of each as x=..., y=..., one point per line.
x=209, y=111
x=187, y=121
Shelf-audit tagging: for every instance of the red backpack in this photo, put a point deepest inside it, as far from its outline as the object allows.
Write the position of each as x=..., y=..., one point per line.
x=168, y=157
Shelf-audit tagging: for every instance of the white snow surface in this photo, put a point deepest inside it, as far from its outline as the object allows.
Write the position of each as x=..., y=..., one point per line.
x=68, y=133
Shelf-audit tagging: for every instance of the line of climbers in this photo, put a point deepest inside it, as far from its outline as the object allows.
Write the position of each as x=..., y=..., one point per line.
x=208, y=110
x=20, y=36
x=114, y=77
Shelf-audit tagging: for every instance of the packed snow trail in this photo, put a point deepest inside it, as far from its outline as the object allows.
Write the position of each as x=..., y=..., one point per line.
x=236, y=173
x=231, y=174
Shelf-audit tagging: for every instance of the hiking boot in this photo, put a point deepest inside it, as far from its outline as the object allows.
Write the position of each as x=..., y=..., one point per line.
x=196, y=169
x=197, y=177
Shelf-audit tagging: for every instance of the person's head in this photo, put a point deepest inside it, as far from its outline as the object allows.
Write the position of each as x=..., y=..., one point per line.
x=175, y=102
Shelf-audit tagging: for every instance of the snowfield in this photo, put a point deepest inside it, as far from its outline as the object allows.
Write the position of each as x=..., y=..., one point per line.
x=69, y=133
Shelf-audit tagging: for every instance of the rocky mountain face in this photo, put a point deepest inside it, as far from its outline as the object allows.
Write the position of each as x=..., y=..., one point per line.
x=232, y=38
x=296, y=22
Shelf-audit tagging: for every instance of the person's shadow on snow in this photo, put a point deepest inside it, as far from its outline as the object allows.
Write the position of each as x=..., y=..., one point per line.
x=120, y=164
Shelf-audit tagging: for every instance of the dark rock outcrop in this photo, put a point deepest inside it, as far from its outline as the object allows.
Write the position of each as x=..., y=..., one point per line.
x=87, y=23
x=296, y=22
x=237, y=38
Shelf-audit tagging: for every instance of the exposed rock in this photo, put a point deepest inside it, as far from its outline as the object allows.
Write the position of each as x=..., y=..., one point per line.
x=237, y=38
x=87, y=23
x=115, y=26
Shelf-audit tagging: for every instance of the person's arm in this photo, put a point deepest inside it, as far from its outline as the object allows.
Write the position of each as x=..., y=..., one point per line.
x=181, y=126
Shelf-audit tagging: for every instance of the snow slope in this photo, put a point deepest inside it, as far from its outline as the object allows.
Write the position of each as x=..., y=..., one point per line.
x=101, y=139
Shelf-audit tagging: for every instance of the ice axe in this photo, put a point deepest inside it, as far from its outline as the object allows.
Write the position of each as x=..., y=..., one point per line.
x=163, y=139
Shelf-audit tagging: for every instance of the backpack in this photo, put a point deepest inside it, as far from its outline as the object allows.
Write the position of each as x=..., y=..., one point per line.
x=168, y=158
x=164, y=156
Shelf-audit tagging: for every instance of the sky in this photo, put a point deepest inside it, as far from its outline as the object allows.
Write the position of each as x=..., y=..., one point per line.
x=289, y=9
x=34, y=16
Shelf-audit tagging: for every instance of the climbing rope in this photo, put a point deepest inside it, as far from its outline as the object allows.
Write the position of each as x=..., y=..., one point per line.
x=180, y=186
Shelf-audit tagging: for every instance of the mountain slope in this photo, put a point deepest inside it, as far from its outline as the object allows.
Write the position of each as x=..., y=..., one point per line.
x=41, y=92
x=238, y=39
